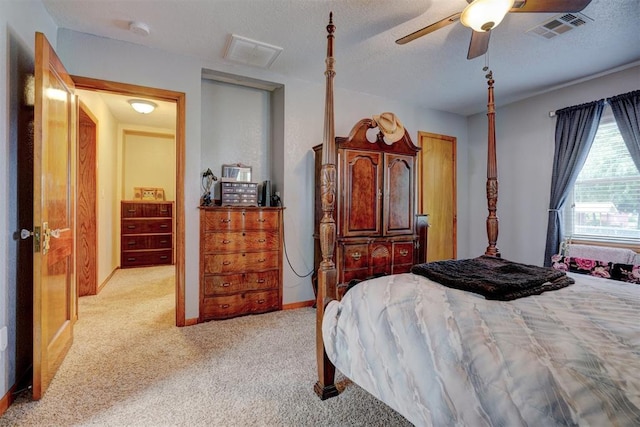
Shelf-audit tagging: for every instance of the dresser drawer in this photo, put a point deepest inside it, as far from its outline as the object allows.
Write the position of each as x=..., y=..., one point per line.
x=245, y=261
x=232, y=283
x=223, y=307
x=149, y=210
x=136, y=242
x=141, y=258
x=261, y=220
x=223, y=220
x=261, y=302
x=142, y=225
x=233, y=241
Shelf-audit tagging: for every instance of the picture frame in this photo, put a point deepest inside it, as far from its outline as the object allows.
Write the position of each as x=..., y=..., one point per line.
x=236, y=173
x=148, y=193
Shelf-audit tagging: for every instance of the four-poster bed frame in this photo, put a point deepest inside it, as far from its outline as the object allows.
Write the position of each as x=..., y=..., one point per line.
x=442, y=347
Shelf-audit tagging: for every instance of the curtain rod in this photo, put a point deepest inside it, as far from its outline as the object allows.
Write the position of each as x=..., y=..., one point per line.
x=553, y=113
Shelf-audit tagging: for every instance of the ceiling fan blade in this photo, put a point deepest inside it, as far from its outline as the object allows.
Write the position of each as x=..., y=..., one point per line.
x=430, y=28
x=479, y=44
x=549, y=6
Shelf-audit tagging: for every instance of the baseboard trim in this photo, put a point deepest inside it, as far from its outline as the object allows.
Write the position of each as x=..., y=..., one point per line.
x=294, y=305
x=191, y=322
x=105, y=281
x=7, y=400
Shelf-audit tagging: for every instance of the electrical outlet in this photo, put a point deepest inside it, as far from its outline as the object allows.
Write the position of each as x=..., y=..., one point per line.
x=4, y=339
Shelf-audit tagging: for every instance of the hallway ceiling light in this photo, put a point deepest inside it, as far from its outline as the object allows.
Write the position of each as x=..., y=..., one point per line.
x=142, y=106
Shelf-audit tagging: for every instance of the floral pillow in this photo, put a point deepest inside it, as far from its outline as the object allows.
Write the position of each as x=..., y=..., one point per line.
x=582, y=266
x=626, y=273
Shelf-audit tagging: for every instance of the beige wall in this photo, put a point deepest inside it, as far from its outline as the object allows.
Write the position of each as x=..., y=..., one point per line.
x=148, y=160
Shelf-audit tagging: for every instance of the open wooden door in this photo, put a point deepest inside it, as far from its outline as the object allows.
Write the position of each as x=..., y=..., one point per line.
x=438, y=194
x=54, y=163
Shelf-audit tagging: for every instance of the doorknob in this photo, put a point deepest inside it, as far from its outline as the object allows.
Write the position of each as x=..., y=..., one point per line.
x=47, y=234
x=25, y=234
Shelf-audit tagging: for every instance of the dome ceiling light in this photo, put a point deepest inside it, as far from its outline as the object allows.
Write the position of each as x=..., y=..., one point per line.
x=143, y=106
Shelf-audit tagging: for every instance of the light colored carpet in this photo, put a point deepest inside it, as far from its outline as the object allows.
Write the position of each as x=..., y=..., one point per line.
x=129, y=365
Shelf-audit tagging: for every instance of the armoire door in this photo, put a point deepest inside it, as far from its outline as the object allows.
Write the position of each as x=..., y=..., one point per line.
x=399, y=182
x=361, y=198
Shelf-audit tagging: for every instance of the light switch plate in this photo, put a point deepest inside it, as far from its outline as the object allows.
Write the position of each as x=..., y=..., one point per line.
x=3, y=338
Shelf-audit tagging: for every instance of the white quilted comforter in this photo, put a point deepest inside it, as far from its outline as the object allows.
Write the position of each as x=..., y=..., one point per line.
x=444, y=357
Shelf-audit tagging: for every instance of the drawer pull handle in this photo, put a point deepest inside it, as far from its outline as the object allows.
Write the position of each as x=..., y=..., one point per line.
x=163, y=225
x=164, y=210
x=164, y=257
x=226, y=284
x=226, y=242
x=224, y=305
x=356, y=255
x=131, y=210
x=404, y=252
x=261, y=220
x=226, y=262
x=164, y=242
x=225, y=220
x=131, y=227
x=262, y=260
x=131, y=243
x=260, y=281
x=262, y=240
x=261, y=301
x=131, y=259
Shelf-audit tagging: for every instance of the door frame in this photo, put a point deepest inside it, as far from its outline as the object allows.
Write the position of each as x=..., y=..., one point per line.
x=179, y=98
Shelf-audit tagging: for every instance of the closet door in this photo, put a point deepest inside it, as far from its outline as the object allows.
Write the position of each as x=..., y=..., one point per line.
x=398, y=211
x=362, y=193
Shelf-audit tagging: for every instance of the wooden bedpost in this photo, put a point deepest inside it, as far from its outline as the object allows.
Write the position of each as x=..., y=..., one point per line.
x=492, y=175
x=325, y=387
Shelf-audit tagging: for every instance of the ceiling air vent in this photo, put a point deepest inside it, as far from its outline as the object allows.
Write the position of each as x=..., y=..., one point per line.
x=250, y=52
x=559, y=24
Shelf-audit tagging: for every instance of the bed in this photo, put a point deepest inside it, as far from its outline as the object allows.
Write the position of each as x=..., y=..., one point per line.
x=443, y=355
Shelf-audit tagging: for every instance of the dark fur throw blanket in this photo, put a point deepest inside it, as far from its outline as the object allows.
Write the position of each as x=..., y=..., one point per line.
x=494, y=278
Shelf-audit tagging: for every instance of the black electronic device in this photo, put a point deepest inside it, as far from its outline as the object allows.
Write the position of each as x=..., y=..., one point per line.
x=265, y=200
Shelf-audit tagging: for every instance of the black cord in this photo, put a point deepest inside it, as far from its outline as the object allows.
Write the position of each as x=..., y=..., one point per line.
x=287, y=256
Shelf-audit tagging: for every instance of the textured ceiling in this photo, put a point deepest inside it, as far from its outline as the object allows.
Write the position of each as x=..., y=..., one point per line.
x=432, y=71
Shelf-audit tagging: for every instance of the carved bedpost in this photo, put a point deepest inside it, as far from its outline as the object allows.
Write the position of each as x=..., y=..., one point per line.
x=325, y=387
x=492, y=175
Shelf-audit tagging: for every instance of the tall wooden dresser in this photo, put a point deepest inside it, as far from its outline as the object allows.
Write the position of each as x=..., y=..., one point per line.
x=146, y=229
x=240, y=261
x=375, y=206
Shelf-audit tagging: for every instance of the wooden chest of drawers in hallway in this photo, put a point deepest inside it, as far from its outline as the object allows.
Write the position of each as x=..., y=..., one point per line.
x=146, y=230
x=240, y=261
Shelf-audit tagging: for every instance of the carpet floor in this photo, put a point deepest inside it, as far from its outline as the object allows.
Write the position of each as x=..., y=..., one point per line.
x=130, y=365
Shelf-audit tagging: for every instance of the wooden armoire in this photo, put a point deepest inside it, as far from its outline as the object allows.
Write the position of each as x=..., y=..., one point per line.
x=375, y=205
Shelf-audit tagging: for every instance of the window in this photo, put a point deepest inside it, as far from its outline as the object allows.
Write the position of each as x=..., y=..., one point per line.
x=604, y=204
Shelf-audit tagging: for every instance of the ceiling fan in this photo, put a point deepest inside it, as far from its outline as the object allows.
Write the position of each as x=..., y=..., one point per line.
x=482, y=16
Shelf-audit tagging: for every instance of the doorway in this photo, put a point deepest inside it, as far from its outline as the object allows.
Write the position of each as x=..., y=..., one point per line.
x=437, y=193
x=178, y=98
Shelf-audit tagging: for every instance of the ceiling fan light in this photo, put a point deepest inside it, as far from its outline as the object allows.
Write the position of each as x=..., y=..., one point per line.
x=484, y=15
x=142, y=106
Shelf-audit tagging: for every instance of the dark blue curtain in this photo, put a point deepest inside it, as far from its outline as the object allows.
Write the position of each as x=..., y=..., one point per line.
x=626, y=110
x=575, y=130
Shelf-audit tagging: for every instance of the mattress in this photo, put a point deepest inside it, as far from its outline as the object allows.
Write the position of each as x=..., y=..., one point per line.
x=445, y=357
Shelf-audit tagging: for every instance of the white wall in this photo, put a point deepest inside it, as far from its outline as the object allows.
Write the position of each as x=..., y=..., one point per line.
x=19, y=20
x=525, y=146
x=148, y=160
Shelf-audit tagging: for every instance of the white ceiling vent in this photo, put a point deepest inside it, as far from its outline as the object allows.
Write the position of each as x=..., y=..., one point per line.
x=251, y=52
x=559, y=24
